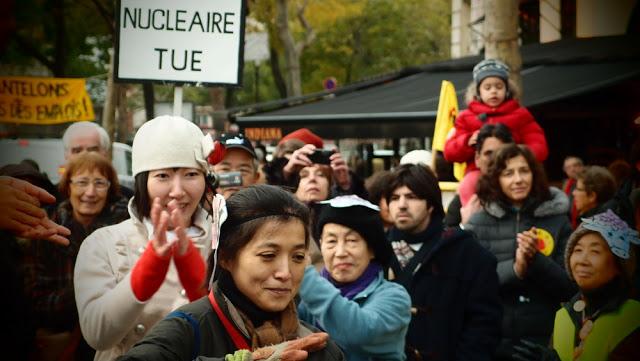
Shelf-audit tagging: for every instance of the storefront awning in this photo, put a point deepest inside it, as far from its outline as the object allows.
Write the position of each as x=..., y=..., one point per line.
x=406, y=106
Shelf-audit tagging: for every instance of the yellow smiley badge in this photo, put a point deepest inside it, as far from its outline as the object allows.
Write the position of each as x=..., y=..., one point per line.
x=545, y=242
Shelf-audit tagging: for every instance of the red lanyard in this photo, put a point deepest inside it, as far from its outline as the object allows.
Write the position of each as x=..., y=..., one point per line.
x=238, y=339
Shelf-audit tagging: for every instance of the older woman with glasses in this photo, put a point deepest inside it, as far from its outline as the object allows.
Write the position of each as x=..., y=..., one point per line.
x=90, y=185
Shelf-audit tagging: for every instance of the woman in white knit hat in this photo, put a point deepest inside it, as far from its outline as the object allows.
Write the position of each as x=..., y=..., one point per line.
x=130, y=275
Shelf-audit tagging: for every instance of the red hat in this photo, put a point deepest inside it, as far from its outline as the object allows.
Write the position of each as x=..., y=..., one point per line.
x=304, y=135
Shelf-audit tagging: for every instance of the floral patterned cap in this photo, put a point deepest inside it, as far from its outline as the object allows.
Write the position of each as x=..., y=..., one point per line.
x=614, y=230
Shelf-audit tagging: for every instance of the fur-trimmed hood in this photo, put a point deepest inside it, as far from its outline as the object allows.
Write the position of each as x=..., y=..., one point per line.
x=558, y=204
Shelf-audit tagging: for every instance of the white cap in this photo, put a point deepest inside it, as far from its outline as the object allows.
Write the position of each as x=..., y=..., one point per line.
x=418, y=156
x=170, y=142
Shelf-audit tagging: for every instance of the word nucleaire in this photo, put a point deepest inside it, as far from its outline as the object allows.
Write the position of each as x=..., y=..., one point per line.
x=179, y=20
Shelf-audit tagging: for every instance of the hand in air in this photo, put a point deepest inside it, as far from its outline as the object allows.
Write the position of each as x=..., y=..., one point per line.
x=340, y=171
x=299, y=159
x=20, y=211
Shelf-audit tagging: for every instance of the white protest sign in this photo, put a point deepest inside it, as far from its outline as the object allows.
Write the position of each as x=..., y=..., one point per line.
x=187, y=41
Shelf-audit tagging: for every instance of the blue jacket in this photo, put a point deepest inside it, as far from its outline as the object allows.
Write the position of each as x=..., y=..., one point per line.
x=371, y=326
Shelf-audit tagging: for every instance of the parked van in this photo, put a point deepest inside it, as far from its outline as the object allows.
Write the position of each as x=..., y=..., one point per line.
x=49, y=154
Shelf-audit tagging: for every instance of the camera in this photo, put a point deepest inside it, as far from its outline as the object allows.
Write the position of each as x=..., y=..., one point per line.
x=230, y=179
x=321, y=156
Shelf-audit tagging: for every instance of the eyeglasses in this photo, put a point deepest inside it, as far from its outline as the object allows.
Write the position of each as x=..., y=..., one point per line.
x=580, y=189
x=83, y=183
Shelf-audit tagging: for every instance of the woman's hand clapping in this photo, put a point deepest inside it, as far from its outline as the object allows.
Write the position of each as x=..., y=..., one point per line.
x=527, y=249
x=162, y=219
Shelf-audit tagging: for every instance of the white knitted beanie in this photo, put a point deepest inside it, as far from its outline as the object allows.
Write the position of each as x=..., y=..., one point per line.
x=170, y=142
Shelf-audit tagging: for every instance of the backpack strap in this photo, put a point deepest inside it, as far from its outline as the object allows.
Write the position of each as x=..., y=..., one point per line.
x=194, y=325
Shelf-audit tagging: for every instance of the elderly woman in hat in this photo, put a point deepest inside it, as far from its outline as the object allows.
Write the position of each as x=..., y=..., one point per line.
x=130, y=275
x=366, y=315
x=602, y=322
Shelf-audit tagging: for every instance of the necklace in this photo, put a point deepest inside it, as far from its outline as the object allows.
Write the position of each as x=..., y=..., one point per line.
x=587, y=325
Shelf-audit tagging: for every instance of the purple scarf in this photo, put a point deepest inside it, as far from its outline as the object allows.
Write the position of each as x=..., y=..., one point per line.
x=350, y=290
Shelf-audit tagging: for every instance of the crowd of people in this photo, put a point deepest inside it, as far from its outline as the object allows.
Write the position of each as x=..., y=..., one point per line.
x=216, y=256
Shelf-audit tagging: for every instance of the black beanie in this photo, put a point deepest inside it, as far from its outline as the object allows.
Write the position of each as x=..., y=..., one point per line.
x=361, y=216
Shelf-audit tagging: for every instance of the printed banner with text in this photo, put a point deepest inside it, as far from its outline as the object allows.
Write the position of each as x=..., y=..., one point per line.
x=43, y=101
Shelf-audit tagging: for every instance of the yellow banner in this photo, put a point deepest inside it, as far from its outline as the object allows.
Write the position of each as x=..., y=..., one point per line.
x=28, y=100
x=447, y=112
x=446, y=116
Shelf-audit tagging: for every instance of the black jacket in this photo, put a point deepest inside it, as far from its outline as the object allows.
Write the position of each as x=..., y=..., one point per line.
x=530, y=303
x=453, y=216
x=174, y=339
x=454, y=291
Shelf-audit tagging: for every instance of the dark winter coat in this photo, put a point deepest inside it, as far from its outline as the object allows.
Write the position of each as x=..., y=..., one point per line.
x=174, y=339
x=530, y=303
x=17, y=320
x=453, y=216
x=456, y=309
x=52, y=292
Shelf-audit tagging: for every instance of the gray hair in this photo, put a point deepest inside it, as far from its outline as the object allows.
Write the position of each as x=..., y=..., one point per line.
x=80, y=127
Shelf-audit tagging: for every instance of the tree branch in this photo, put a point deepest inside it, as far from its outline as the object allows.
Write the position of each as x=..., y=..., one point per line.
x=106, y=15
x=32, y=51
x=310, y=34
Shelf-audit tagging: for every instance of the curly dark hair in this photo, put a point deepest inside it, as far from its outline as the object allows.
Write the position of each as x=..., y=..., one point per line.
x=488, y=188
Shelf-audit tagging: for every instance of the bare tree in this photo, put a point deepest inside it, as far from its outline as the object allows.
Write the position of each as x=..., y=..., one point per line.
x=292, y=49
x=217, y=96
x=501, y=35
x=109, y=109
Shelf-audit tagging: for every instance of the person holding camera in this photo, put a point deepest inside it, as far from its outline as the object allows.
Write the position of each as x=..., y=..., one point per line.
x=302, y=148
x=308, y=158
x=239, y=166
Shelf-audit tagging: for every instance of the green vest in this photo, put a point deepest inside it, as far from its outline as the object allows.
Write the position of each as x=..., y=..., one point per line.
x=607, y=332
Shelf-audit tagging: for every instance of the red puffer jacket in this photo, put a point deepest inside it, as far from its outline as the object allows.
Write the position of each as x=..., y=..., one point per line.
x=524, y=129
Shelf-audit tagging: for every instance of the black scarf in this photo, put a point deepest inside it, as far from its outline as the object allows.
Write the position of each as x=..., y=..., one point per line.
x=429, y=237
x=432, y=231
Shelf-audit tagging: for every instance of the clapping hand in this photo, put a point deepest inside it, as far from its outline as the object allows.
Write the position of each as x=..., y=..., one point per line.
x=162, y=219
x=527, y=249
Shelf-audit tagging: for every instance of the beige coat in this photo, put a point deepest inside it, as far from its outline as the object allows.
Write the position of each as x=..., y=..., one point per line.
x=112, y=320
